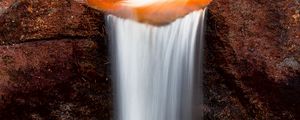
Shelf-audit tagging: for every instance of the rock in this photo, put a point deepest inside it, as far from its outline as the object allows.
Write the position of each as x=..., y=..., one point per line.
x=41, y=76
x=4, y=5
x=255, y=46
x=53, y=61
x=30, y=20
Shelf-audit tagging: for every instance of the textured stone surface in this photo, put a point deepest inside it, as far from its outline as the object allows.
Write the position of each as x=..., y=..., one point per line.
x=40, y=79
x=4, y=5
x=29, y=20
x=256, y=47
x=53, y=60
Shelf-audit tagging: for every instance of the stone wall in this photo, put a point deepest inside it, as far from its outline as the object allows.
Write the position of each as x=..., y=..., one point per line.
x=54, y=62
x=255, y=46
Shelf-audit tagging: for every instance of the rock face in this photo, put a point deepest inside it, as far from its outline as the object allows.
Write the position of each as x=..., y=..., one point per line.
x=255, y=46
x=53, y=60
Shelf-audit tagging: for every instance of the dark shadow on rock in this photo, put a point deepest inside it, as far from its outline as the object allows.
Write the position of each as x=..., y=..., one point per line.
x=78, y=88
x=222, y=96
x=251, y=78
x=283, y=99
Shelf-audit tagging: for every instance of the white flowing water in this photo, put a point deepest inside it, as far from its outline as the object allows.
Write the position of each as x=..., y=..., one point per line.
x=156, y=69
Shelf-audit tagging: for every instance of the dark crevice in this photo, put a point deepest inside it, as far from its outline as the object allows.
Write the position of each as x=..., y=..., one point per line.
x=58, y=37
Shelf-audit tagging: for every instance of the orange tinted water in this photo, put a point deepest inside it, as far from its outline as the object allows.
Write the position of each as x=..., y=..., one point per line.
x=156, y=13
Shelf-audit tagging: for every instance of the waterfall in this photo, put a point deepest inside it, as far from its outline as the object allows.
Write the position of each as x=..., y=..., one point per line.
x=157, y=69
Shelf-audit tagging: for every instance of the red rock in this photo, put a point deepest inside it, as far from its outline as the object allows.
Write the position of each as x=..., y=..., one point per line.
x=47, y=74
x=4, y=5
x=53, y=61
x=30, y=20
x=256, y=44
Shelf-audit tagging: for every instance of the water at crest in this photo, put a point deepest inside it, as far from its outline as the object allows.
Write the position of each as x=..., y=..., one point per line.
x=157, y=68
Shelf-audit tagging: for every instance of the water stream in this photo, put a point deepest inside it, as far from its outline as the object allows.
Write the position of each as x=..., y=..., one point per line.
x=157, y=69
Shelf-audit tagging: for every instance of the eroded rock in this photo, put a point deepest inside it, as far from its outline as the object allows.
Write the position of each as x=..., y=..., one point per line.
x=53, y=61
x=38, y=78
x=256, y=46
x=29, y=20
x=54, y=57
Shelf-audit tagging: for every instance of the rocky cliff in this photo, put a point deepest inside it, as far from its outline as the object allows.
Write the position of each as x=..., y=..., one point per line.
x=54, y=62
x=255, y=46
